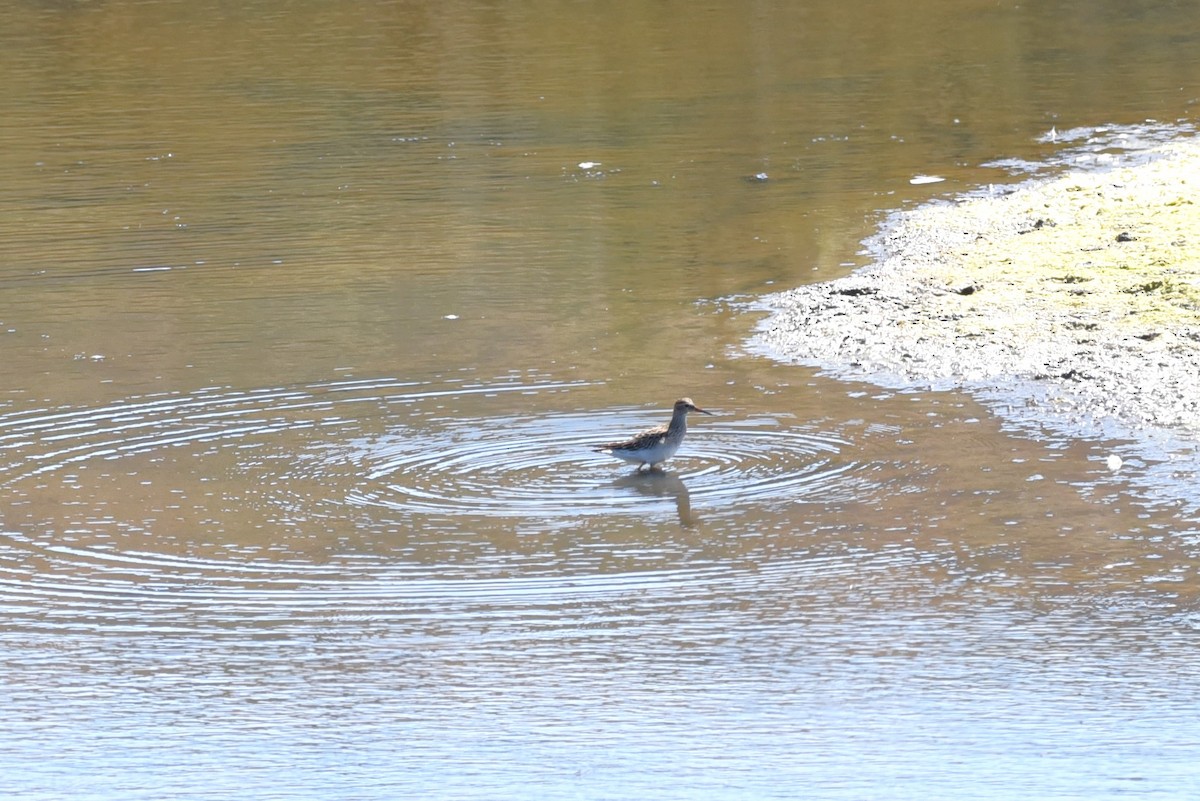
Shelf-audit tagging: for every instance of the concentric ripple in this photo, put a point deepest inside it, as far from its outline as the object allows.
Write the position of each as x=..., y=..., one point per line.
x=545, y=467
x=332, y=498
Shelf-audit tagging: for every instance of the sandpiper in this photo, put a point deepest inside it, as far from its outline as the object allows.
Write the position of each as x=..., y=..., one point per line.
x=658, y=444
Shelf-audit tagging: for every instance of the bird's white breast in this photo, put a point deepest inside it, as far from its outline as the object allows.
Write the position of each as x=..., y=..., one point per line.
x=652, y=455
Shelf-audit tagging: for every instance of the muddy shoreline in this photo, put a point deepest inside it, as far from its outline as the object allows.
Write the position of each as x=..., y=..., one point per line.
x=1074, y=300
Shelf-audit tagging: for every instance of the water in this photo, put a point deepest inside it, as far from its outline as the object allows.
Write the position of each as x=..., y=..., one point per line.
x=313, y=313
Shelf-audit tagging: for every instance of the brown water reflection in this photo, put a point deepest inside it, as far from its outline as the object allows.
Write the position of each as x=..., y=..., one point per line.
x=310, y=313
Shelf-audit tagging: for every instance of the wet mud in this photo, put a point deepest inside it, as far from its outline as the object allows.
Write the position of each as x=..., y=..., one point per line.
x=1074, y=299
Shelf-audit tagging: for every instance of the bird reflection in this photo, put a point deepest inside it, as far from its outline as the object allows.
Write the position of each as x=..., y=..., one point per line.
x=660, y=484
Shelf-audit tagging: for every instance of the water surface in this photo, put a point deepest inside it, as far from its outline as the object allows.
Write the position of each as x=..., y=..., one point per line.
x=312, y=313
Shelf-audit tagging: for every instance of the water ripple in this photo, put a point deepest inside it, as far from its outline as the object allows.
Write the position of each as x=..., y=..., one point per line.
x=545, y=468
x=371, y=499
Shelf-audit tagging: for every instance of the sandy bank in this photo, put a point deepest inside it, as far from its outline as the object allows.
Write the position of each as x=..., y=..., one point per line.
x=1085, y=287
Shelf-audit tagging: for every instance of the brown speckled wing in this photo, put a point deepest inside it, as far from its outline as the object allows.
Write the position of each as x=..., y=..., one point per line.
x=646, y=439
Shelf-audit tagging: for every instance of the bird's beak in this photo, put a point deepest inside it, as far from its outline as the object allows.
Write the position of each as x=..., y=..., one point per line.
x=702, y=411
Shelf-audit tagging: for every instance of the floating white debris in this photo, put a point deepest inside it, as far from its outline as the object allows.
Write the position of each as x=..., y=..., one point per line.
x=449, y=316
x=917, y=180
x=1114, y=462
x=588, y=165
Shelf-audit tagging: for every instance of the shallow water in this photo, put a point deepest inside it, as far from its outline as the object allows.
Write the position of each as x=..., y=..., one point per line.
x=311, y=316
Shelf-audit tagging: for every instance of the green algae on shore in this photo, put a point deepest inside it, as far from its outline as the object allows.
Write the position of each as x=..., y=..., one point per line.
x=1114, y=248
x=1088, y=282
